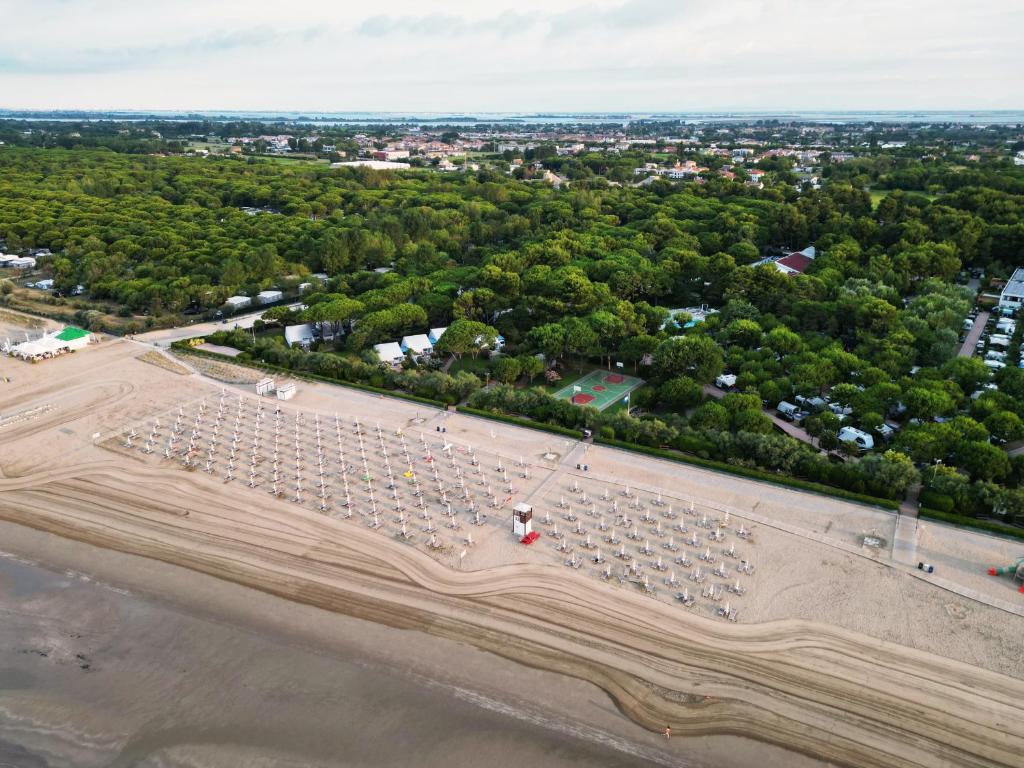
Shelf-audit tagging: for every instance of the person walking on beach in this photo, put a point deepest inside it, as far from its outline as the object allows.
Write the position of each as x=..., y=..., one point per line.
x=668, y=732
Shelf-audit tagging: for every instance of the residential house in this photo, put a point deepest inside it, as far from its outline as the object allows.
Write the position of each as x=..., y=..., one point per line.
x=796, y=262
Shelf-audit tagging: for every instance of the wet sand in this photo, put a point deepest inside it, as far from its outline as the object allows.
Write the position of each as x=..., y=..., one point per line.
x=184, y=670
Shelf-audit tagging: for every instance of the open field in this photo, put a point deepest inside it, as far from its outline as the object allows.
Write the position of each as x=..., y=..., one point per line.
x=837, y=652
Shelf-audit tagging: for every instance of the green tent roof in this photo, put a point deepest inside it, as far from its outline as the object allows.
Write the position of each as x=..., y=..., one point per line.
x=71, y=333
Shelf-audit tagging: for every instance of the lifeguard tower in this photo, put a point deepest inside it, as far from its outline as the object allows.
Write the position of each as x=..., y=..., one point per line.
x=522, y=522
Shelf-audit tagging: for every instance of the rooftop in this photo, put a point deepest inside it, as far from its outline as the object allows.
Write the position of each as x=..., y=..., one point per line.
x=1015, y=285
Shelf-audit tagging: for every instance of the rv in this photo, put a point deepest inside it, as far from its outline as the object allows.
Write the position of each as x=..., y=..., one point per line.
x=863, y=440
x=788, y=411
x=726, y=381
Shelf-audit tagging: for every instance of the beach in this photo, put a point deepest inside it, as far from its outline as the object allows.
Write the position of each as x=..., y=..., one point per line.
x=839, y=655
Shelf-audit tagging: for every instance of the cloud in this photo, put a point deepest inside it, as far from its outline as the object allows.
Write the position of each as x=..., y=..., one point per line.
x=511, y=55
x=61, y=60
x=437, y=24
x=631, y=14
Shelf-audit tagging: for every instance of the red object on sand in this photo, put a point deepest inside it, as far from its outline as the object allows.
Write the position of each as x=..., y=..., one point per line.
x=614, y=378
x=582, y=399
x=529, y=538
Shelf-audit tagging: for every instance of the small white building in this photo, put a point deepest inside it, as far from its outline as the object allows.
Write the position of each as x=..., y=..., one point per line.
x=269, y=297
x=389, y=352
x=435, y=334
x=1013, y=292
x=377, y=165
x=21, y=262
x=238, y=302
x=418, y=344
x=264, y=386
x=286, y=392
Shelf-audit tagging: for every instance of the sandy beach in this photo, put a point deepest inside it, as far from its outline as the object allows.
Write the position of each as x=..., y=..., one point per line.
x=838, y=653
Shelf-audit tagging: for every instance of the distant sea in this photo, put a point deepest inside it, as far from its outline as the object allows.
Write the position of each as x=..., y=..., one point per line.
x=977, y=117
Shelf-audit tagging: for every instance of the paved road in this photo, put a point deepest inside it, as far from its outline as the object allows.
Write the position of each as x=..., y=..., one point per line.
x=908, y=507
x=164, y=337
x=967, y=349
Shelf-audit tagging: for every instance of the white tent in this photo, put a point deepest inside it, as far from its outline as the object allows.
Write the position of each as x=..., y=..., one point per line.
x=435, y=334
x=299, y=334
x=389, y=352
x=419, y=344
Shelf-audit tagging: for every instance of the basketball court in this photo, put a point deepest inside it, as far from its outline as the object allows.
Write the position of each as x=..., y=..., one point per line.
x=599, y=389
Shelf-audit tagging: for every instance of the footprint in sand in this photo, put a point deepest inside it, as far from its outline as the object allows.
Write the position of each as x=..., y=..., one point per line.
x=957, y=610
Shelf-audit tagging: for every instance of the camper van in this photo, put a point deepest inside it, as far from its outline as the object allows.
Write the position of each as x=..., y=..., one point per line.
x=726, y=381
x=788, y=411
x=813, y=404
x=863, y=440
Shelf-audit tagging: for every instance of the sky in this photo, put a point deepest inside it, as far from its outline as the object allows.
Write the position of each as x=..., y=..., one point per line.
x=512, y=55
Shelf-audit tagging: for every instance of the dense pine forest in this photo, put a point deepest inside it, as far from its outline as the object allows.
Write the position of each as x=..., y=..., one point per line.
x=584, y=275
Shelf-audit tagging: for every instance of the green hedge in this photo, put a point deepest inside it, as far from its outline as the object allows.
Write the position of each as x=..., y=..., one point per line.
x=186, y=348
x=970, y=522
x=938, y=501
x=753, y=474
x=519, y=421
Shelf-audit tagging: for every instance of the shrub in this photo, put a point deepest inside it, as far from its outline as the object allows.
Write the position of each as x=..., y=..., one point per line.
x=937, y=501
